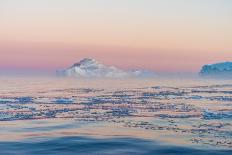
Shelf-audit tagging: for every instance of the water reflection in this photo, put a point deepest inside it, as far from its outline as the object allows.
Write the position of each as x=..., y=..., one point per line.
x=192, y=113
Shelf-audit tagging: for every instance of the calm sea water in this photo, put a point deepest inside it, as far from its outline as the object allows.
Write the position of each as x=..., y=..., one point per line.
x=143, y=116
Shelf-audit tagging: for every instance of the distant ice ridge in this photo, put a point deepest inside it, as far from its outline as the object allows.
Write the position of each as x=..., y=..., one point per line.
x=223, y=69
x=90, y=68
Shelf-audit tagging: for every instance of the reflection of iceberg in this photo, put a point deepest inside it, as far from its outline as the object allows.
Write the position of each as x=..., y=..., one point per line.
x=217, y=114
x=90, y=68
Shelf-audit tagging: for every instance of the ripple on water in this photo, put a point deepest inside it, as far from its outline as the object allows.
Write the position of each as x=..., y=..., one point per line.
x=161, y=108
x=93, y=146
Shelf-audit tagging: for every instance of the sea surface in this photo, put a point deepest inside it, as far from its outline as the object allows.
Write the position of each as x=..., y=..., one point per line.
x=65, y=116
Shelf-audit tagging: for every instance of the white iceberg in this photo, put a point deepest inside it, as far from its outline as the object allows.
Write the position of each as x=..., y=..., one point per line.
x=90, y=68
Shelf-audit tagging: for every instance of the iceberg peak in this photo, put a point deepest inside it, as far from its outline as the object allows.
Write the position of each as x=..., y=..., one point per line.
x=85, y=61
x=90, y=68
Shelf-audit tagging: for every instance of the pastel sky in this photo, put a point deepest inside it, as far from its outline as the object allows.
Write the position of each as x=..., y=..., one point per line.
x=160, y=35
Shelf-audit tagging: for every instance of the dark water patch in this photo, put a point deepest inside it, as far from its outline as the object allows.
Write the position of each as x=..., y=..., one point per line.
x=220, y=98
x=79, y=90
x=112, y=100
x=121, y=94
x=165, y=87
x=212, y=91
x=63, y=101
x=96, y=100
x=6, y=116
x=19, y=100
x=86, y=146
x=164, y=93
x=176, y=116
x=5, y=100
x=213, y=86
x=217, y=115
x=26, y=99
x=120, y=112
x=195, y=97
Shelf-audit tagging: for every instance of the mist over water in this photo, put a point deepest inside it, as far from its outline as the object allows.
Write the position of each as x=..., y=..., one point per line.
x=11, y=73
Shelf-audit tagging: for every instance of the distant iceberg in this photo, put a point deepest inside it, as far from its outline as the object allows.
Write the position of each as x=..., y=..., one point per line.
x=90, y=68
x=222, y=70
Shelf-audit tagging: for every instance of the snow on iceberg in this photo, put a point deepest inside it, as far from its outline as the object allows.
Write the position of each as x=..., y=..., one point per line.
x=90, y=68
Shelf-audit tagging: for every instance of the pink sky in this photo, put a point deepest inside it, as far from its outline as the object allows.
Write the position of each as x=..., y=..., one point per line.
x=51, y=56
x=160, y=35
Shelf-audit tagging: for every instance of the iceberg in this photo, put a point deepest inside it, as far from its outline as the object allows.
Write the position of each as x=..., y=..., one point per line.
x=90, y=68
x=223, y=69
